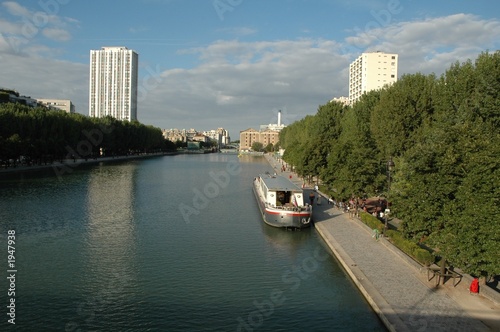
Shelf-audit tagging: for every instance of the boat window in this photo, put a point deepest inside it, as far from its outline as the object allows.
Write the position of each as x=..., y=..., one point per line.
x=283, y=197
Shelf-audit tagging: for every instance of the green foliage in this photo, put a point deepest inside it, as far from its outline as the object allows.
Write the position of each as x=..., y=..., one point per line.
x=443, y=135
x=400, y=112
x=307, y=143
x=269, y=148
x=410, y=248
x=371, y=221
x=352, y=169
x=43, y=135
x=257, y=146
x=4, y=97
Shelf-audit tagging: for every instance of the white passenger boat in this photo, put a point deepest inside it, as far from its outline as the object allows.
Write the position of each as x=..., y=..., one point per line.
x=281, y=202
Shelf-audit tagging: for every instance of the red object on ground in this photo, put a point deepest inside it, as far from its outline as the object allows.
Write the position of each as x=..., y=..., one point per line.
x=474, y=286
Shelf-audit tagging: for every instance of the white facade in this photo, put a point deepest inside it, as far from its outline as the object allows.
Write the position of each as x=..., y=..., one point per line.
x=342, y=100
x=62, y=104
x=113, y=83
x=221, y=136
x=273, y=126
x=371, y=71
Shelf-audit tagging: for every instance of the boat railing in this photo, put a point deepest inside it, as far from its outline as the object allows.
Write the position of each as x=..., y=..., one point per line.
x=289, y=208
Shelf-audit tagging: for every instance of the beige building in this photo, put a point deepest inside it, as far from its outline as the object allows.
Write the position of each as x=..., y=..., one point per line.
x=268, y=134
x=371, y=71
x=61, y=104
x=175, y=135
x=249, y=136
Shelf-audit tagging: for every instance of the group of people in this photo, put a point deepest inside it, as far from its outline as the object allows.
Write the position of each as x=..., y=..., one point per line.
x=351, y=206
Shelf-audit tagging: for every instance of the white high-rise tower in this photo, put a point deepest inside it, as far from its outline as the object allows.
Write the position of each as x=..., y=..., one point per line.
x=371, y=71
x=113, y=83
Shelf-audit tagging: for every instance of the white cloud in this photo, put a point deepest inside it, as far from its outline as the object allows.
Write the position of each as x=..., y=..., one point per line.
x=432, y=44
x=43, y=78
x=16, y=9
x=239, y=84
x=56, y=34
x=22, y=31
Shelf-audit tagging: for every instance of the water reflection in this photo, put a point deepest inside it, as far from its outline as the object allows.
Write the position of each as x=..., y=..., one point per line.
x=109, y=244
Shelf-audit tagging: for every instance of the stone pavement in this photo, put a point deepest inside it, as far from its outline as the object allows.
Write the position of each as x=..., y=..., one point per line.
x=393, y=284
x=397, y=291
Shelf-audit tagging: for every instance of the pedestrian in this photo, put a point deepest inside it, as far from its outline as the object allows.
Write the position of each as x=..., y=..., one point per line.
x=311, y=198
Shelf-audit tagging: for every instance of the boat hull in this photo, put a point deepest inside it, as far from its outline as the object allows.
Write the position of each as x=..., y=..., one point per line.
x=285, y=218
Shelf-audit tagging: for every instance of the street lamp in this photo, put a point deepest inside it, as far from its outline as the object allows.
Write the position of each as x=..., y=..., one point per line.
x=390, y=166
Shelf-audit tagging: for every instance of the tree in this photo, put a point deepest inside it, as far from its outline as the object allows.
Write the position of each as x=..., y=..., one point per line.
x=402, y=109
x=352, y=161
x=257, y=146
x=447, y=193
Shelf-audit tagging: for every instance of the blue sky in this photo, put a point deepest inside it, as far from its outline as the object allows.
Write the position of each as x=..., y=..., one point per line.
x=206, y=64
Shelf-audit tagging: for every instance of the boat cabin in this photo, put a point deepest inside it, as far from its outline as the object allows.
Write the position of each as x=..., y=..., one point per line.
x=281, y=192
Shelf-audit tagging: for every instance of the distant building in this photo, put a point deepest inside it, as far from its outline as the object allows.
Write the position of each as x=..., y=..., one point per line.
x=61, y=104
x=113, y=83
x=274, y=126
x=342, y=100
x=268, y=134
x=371, y=71
x=250, y=136
x=200, y=138
x=175, y=135
x=219, y=135
x=12, y=96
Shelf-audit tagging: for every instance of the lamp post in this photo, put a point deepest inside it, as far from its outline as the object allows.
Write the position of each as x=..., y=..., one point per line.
x=390, y=166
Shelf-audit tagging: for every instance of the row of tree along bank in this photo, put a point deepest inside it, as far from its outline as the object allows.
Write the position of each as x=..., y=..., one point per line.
x=39, y=135
x=442, y=135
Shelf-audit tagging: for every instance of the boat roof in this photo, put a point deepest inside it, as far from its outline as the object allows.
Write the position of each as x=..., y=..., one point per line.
x=279, y=183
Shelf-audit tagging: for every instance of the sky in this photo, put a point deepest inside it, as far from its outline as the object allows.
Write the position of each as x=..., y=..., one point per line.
x=206, y=64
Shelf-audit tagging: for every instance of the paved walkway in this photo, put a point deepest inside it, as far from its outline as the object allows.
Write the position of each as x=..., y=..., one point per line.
x=393, y=284
x=398, y=292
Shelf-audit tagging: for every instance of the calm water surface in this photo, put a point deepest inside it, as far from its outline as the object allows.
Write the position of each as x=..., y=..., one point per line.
x=172, y=243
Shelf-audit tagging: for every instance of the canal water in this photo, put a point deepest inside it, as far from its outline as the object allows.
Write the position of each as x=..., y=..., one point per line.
x=172, y=243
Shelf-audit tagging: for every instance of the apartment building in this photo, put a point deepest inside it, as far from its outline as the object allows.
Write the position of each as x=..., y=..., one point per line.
x=60, y=104
x=113, y=83
x=371, y=71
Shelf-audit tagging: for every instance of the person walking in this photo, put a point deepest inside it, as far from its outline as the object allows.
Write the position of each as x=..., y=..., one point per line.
x=311, y=198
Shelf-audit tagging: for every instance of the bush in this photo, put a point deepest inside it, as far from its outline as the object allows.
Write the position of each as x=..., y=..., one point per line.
x=423, y=256
x=410, y=248
x=372, y=221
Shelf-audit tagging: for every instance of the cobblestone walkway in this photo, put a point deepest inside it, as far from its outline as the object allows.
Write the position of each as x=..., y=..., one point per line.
x=418, y=306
